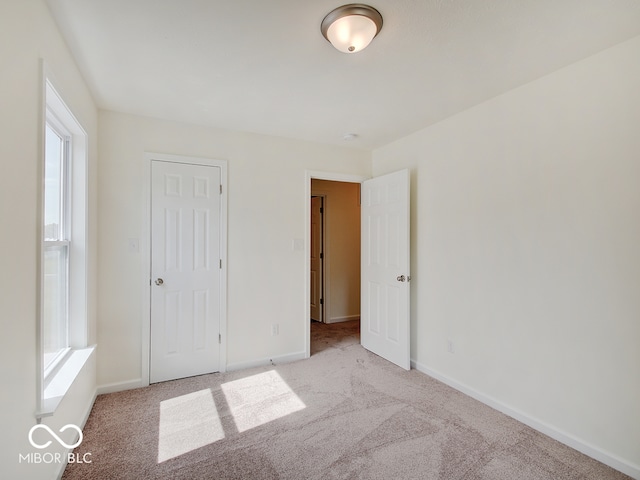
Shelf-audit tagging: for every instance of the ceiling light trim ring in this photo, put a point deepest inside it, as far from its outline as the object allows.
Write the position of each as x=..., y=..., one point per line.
x=351, y=9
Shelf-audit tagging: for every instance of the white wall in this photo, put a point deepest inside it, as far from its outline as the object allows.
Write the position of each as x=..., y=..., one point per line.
x=525, y=235
x=266, y=212
x=342, y=248
x=28, y=34
x=526, y=250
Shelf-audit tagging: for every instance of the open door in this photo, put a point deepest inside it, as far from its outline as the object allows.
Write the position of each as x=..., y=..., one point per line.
x=384, y=328
x=317, y=254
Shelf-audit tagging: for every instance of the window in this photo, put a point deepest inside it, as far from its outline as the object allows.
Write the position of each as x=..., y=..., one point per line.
x=62, y=325
x=56, y=244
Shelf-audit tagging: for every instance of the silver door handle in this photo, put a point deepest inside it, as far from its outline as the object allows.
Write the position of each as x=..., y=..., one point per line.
x=159, y=281
x=401, y=278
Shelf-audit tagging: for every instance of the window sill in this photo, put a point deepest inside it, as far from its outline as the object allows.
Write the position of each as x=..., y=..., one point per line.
x=62, y=380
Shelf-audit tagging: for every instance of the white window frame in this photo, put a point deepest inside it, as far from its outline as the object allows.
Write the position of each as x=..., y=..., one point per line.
x=65, y=226
x=54, y=381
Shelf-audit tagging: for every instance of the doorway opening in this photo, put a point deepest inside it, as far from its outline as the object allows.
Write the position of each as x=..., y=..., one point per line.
x=334, y=264
x=385, y=273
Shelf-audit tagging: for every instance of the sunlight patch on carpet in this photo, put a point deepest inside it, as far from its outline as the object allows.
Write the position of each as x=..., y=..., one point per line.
x=260, y=399
x=187, y=423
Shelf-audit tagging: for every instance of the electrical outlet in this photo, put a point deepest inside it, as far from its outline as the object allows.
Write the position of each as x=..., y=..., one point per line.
x=450, y=346
x=275, y=329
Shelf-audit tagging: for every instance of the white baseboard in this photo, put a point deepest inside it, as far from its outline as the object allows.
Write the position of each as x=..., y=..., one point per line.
x=138, y=383
x=549, y=430
x=343, y=319
x=87, y=411
x=63, y=466
x=121, y=386
x=292, y=357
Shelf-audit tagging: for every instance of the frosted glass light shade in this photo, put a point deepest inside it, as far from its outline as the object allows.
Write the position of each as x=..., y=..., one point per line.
x=351, y=28
x=352, y=33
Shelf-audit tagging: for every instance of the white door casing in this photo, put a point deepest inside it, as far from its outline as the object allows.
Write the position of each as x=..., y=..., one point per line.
x=185, y=270
x=316, y=259
x=385, y=276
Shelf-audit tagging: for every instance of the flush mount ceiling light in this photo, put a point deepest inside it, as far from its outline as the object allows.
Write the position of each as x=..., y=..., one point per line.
x=350, y=28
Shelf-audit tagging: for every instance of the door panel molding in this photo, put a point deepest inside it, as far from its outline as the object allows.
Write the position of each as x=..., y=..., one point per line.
x=145, y=252
x=385, y=314
x=181, y=345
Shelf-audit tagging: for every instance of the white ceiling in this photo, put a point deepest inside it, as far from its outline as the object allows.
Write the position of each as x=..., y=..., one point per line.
x=263, y=66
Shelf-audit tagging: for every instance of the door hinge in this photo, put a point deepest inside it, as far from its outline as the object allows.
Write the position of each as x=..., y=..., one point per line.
x=321, y=210
x=220, y=263
x=220, y=189
x=322, y=301
x=219, y=338
x=321, y=255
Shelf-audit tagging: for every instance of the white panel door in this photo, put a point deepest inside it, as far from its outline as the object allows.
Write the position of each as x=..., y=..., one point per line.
x=185, y=270
x=384, y=325
x=316, y=259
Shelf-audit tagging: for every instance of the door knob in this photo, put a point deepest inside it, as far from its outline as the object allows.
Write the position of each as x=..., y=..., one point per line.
x=401, y=278
x=159, y=281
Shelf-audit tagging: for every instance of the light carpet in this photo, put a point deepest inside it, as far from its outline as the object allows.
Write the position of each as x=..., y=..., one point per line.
x=344, y=413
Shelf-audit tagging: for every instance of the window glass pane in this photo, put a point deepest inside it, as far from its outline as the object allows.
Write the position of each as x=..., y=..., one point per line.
x=55, y=302
x=53, y=203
